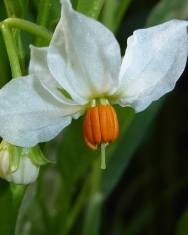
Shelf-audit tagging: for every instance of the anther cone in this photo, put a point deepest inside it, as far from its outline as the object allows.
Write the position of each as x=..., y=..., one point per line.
x=100, y=125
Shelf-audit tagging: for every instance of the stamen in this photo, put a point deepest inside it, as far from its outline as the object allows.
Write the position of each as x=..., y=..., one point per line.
x=103, y=156
x=100, y=127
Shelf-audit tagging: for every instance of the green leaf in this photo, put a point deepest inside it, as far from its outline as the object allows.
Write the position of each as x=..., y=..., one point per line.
x=74, y=3
x=51, y=16
x=90, y=8
x=74, y=157
x=4, y=63
x=113, y=13
x=93, y=212
x=132, y=136
x=144, y=215
x=23, y=7
x=167, y=10
x=43, y=17
x=5, y=74
x=92, y=216
x=16, y=8
x=10, y=199
x=182, y=226
x=54, y=14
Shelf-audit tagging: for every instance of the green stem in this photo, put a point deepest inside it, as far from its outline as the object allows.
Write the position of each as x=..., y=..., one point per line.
x=10, y=199
x=28, y=27
x=17, y=193
x=121, y=12
x=43, y=16
x=90, y=8
x=91, y=223
x=11, y=51
x=12, y=9
x=9, y=8
x=114, y=12
x=78, y=206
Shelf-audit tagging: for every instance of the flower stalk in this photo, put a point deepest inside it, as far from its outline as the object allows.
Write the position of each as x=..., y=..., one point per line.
x=95, y=202
x=11, y=51
x=28, y=26
x=43, y=16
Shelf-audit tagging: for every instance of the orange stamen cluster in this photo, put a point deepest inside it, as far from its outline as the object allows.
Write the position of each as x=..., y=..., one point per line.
x=100, y=125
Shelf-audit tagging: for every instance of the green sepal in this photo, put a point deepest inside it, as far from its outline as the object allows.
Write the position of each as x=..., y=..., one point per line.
x=14, y=157
x=13, y=154
x=36, y=155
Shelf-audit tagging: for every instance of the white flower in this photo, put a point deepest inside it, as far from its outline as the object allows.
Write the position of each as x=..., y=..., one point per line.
x=15, y=164
x=83, y=60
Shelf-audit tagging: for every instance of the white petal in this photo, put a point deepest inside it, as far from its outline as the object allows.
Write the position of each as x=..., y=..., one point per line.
x=26, y=173
x=83, y=56
x=39, y=68
x=29, y=114
x=154, y=60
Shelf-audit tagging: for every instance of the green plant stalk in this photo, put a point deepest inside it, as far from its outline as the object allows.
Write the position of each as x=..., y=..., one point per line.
x=10, y=198
x=108, y=13
x=92, y=217
x=114, y=13
x=16, y=191
x=77, y=207
x=90, y=8
x=121, y=12
x=11, y=51
x=12, y=11
x=9, y=8
x=42, y=18
x=28, y=26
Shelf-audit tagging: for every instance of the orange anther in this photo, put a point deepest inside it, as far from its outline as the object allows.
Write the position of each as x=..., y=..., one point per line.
x=100, y=125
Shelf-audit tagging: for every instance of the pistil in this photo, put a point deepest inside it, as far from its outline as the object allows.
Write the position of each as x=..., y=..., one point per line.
x=103, y=156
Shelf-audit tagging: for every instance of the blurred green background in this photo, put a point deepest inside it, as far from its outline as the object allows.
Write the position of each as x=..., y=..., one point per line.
x=144, y=188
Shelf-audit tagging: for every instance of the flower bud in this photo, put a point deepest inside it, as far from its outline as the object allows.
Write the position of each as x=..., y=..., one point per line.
x=20, y=165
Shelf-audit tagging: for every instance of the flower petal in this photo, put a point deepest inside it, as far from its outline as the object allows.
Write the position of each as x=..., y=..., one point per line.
x=83, y=55
x=29, y=114
x=38, y=67
x=154, y=60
